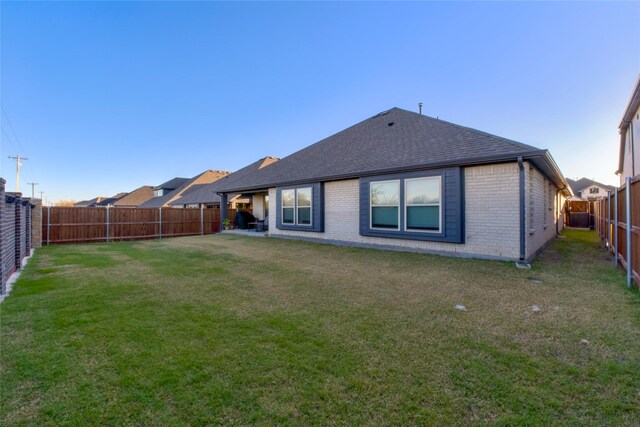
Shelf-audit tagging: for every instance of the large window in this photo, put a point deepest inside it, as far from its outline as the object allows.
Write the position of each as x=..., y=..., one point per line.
x=422, y=204
x=385, y=204
x=296, y=206
x=417, y=205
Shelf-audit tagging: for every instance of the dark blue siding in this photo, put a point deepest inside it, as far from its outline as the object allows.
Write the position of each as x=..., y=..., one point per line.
x=317, y=193
x=452, y=207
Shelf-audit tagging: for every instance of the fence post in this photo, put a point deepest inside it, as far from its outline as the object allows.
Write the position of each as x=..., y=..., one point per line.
x=48, y=224
x=609, y=220
x=629, y=235
x=160, y=223
x=201, y=219
x=108, y=223
x=615, y=227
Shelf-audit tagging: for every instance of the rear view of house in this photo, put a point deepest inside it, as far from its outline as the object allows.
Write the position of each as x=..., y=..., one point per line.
x=404, y=180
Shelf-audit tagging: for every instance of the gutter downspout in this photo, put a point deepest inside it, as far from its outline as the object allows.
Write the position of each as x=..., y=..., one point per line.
x=523, y=253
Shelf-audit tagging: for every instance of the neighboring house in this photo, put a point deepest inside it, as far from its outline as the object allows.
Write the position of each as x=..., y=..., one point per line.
x=207, y=194
x=135, y=198
x=407, y=181
x=109, y=201
x=163, y=198
x=629, y=128
x=89, y=203
x=588, y=189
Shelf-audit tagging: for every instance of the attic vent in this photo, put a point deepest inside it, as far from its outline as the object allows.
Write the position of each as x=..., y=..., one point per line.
x=390, y=124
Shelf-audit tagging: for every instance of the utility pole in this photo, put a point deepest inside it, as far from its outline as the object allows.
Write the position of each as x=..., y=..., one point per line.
x=18, y=164
x=41, y=198
x=33, y=188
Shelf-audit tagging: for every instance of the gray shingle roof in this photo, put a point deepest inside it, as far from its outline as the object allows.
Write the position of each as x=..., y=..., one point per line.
x=207, y=193
x=201, y=193
x=89, y=203
x=392, y=140
x=203, y=178
x=136, y=197
x=172, y=184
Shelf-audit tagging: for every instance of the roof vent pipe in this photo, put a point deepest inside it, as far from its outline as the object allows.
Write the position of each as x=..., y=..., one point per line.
x=419, y=107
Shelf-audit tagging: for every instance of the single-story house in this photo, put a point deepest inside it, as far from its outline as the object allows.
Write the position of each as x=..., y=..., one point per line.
x=135, y=198
x=589, y=189
x=171, y=190
x=403, y=180
x=207, y=194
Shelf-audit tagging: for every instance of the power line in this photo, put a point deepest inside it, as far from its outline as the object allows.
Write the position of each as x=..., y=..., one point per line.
x=11, y=126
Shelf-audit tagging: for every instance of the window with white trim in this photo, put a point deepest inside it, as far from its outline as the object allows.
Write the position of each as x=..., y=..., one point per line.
x=422, y=204
x=303, y=206
x=297, y=206
x=385, y=204
x=289, y=206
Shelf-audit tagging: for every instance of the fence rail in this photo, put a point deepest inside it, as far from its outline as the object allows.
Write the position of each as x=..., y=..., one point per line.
x=613, y=214
x=101, y=224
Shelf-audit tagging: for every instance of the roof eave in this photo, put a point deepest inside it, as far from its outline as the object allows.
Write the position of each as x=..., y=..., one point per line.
x=552, y=169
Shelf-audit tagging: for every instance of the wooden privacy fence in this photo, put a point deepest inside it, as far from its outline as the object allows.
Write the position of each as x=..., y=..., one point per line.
x=81, y=225
x=617, y=221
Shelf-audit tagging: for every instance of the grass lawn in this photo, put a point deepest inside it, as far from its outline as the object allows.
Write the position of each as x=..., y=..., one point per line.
x=234, y=330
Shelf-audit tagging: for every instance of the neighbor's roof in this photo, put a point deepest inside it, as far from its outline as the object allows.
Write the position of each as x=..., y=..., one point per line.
x=394, y=140
x=172, y=184
x=110, y=200
x=136, y=197
x=90, y=202
x=627, y=117
x=200, y=193
x=203, y=178
x=207, y=193
x=582, y=183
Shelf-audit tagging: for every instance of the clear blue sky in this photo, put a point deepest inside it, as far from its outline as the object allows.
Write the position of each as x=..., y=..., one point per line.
x=105, y=97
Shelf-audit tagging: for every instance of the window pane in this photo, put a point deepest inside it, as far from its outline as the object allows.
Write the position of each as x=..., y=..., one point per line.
x=304, y=216
x=386, y=217
x=287, y=215
x=385, y=193
x=423, y=217
x=304, y=196
x=423, y=191
x=288, y=198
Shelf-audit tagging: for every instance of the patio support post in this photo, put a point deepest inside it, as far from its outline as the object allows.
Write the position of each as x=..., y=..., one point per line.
x=201, y=219
x=224, y=210
x=160, y=223
x=627, y=191
x=615, y=227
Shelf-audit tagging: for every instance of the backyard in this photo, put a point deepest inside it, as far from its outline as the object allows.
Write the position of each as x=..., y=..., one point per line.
x=232, y=330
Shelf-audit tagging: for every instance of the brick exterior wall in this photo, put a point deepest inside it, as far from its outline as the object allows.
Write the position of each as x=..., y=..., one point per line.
x=8, y=234
x=492, y=215
x=36, y=223
x=15, y=233
x=543, y=210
